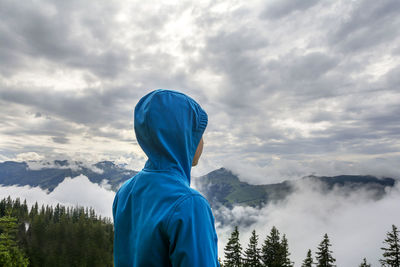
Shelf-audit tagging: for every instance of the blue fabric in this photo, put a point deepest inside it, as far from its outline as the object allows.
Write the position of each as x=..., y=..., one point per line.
x=159, y=220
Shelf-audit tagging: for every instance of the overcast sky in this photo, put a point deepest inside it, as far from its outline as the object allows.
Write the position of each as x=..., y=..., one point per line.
x=291, y=88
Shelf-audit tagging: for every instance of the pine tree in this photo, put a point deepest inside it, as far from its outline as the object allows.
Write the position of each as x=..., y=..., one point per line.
x=364, y=263
x=308, y=262
x=10, y=253
x=324, y=255
x=52, y=238
x=252, y=253
x=391, y=254
x=233, y=250
x=285, y=253
x=271, y=251
x=220, y=262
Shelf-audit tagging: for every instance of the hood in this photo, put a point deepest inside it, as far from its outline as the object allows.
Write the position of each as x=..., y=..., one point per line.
x=168, y=127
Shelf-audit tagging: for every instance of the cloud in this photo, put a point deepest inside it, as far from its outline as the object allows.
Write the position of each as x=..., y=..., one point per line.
x=60, y=139
x=291, y=87
x=279, y=9
x=29, y=156
x=368, y=24
x=355, y=223
x=71, y=192
x=60, y=33
x=275, y=170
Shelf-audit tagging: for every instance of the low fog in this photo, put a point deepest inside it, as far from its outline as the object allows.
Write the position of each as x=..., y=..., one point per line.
x=355, y=223
x=71, y=192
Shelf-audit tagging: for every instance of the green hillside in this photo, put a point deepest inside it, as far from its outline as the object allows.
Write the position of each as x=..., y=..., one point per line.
x=223, y=187
x=220, y=187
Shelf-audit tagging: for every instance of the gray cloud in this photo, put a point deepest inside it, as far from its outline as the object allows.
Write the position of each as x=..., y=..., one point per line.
x=61, y=34
x=279, y=9
x=369, y=24
x=60, y=139
x=307, y=82
x=91, y=107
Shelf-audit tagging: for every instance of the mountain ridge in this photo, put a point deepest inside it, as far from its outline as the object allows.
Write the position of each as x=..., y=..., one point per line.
x=220, y=186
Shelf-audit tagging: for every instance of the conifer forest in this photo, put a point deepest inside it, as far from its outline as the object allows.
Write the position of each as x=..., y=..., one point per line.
x=77, y=236
x=53, y=236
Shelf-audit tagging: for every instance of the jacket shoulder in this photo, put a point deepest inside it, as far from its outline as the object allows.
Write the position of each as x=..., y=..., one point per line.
x=193, y=197
x=194, y=192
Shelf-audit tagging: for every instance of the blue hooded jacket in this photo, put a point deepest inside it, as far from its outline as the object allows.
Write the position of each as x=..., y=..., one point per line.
x=159, y=220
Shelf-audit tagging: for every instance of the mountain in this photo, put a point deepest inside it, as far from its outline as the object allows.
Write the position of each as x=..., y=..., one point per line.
x=50, y=174
x=223, y=187
x=220, y=187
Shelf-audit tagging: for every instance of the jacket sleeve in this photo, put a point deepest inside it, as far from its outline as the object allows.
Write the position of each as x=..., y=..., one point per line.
x=191, y=233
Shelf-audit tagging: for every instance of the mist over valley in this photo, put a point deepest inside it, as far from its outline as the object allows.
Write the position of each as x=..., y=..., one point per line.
x=346, y=206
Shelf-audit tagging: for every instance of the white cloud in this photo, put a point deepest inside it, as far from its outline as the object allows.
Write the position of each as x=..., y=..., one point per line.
x=272, y=169
x=71, y=192
x=355, y=223
x=29, y=156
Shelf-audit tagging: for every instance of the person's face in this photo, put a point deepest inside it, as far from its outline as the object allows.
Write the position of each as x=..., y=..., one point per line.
x=199, y=150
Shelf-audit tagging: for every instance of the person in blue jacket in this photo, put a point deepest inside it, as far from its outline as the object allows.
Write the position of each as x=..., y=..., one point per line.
x=159, y=220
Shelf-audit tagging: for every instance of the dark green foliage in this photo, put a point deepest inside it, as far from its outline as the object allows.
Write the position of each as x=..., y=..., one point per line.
x=252, y=253
x=308, y=262
x=10, y=253
x=324, y=255
x=391, y=254
x=233, y=250
x=285, y=253
x=275, y=252
x=271, y=249
x=62, y=236
x=364, y=263
x=220, y=262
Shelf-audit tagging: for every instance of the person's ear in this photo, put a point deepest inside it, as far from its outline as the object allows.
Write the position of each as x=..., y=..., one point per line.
x=199, y=150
